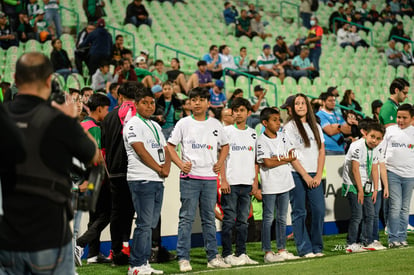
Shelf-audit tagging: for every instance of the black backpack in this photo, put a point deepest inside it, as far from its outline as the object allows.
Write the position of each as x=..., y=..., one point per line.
x=314, y=5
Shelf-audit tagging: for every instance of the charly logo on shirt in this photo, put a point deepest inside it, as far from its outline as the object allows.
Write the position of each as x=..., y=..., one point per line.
x=235, y=147
x=254, y=136
x=215, y=133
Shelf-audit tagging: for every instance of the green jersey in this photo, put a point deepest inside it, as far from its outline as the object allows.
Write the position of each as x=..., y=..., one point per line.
x=388, y=113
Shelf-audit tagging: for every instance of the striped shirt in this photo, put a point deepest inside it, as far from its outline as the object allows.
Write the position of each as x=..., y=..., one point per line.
x=266, y=61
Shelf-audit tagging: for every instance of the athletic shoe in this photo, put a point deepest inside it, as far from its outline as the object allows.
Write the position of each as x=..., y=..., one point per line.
x=77, y=253
x=394, y=245
x=217, y=262
x=370, y=247
x=271, y=257
x=247, y=259
x=287, y=255
x=290, y=236
x=161, y=255
x=144, y=269
x=185, y=265
x=120, y=259
x=354, y=248
x=378, y=245
x=126, y=250
x=410, y=228
x=100, y=259
x=404, y=243
x=309, y=255
x=233, y=260
x=111, y=254
x=319, y=254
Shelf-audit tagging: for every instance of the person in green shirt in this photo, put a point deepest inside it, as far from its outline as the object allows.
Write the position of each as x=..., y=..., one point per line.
x=41, y=27
x=143, y=74
x=398, y=90
x=243, y=25
x=159, y=71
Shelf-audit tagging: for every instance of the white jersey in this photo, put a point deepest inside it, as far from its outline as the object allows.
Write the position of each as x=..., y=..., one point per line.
x=240, y=163
x=359, y=152
x=307, y=156
x=135, y=130
x=199, y=141
x=278, y=179
x=399, y=150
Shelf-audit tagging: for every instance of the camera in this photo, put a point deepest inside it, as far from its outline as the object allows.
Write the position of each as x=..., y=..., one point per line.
x=57, y=94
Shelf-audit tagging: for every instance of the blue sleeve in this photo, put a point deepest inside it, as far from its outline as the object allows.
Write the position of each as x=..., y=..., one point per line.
x=87, y=40
x=206, y=58
x=223, y=97
x=324, y=119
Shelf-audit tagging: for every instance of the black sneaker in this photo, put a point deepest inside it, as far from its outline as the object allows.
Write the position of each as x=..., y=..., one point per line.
x=120, y=259
x=161, y=255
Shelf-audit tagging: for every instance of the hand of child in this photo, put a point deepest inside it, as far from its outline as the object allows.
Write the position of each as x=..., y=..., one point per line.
x=83, y=187
x=317, y=180
x=217, y=168
x=309, y=181
x=361, y=197
x=225, y=187
x=292, y=155
x=374, y=196
x=255, y=189
x=164, y=171
x=385, y=193
x=186, y=167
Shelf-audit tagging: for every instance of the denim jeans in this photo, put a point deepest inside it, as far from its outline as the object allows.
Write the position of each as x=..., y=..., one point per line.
x=138, y=22
x=38, y=262
x=253, y=120
x=203, y=193
x=360, y=213
x=236, y=209
x=147, y=199
x=52, y=16
x=377, y=208
x=400, y=189
x=307, y=242
x=314, y=56
x=280, y=202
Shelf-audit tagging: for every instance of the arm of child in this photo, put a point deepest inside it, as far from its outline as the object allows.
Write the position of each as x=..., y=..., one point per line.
x=225, y=187
x=185, y=167
x=384, y=180
x=321, y=164
x=146, y=158
x=281, y=160
x=357, y=178
x=375, y=178
x=165, y=171
x=255, y=187
x=306, y=177
x=221, y=158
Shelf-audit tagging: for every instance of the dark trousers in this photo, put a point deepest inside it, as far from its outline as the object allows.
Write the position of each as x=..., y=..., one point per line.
x=122, y=213
x=80, y=57
x=98, y=220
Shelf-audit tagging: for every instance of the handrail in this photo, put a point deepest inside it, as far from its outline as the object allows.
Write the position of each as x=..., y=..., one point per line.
x=250, y=76
x=71, y=11
x=177, y=52
x=341, y=106
x=114, y=29
x=404, y=39
x=355, y=24
x=292, y=4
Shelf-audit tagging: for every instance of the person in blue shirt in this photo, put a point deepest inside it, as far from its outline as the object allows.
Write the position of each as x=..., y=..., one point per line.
x=230, y=13
x=113, y=95
x=217, y=98
x=213, y=62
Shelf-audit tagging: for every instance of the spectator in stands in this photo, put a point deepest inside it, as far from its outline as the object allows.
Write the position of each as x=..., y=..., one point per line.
x=218, y=99
x=141, y=70
x=237, y=93
x=41, y=27
x=126, y=73
x=406, y=8
x=11, y=10
x=241, y=61
x=398, y=30
x=394, y=56
x=201, y=77
x=226, y=117
x=386, y=15
x=349, y=101
x=281, y=50
x=363, y=10
x=303, y=66
x=100, y=42
x=94, y=9
x=357, y=18
x=158, y=71
x=376, y=108
x=32, y=7
x=305, y=12
x=407, y=56
x=253, y=68
x=314, y=40
x=82, y=53
x=268, y=64
x=116, y=50
x=355, y=39
x=258, y=102
x=7, y=36
x=336, y=14
x=52, y=15
x=398, y=94
x=102, y=78
x=137, y=14
x=25, y=31
x=112, y=94
x=257, y=27
x=342, y=36
x=176, y=76
x=243, y=25
x=60, y=59
x=230, y=12
x=127, y=54
x=333, y=126
x=252, y=11
x=395, y=6
x=373, y=15
x=213, y=62
x=227, y=61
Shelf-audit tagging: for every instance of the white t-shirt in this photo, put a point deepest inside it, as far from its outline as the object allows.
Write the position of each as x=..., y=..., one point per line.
x=278, y=179
x=135, y=130
x=200, y=141
x=358, y=152
x=399, y=151
x=241, y=159
x=307, y=156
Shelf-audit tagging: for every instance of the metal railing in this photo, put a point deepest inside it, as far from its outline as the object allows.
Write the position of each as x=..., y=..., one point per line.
x=341, y=106
x=291, y=4
x=177, y=52
x=355, y=24
x=114, y=30
x=404, y=39
x=250, y=76
x=73, y=12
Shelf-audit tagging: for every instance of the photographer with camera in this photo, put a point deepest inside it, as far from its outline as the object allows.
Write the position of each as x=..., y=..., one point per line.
x=35, y=235
x=230, y=13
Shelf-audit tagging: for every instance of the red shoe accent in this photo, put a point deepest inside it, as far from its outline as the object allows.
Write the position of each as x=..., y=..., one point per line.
x=126, y=250
x=111, y=254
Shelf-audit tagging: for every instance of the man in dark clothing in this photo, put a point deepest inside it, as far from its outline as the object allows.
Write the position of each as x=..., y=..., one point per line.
x=137, y=14
x=25, y=31
x=338, y=24
x=100, y=41
x=398, y=30
x=81, y=54
x=7, y=36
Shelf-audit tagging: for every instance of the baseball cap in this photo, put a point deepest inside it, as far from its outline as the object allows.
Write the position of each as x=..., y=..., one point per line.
x=156, y=89
x=146, y=52
x=140, y=59
x=40, y=11
x=258, y=88
x=288, y=102
x=219, y=83
x=100, y=22
x=280, y=37
x=266, y=46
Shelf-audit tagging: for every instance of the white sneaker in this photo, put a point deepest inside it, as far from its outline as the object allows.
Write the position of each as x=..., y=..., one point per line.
x=410, y=228
x=404, y=243
x=144, y=269
x=309, y=255
x=217, y=262
x=152, y=270
x=271, y=257
x=233, y=260
x=287, y=255
x=77, y=254
x=247, y=259
x=185, y=265
x=394, y=245
x=92, y=260
x=378, y=245
x=370, y=247
x=319, y=254
x=354, y=248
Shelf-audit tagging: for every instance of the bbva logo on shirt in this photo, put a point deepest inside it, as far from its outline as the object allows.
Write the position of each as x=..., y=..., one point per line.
x=235, y=147
x=201, y=146
x=402, y=145
x=153, y=143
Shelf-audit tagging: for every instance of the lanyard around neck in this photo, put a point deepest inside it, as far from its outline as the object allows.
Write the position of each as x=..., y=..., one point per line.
x=369, y=160
x=153, y=129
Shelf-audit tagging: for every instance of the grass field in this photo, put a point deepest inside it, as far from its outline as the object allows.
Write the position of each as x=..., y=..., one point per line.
x=395, y=261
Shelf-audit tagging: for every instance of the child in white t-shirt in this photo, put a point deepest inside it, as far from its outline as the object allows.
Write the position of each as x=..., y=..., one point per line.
x=148, y=164
x=237, y=178
x=200, y=137
x=360, y=176
x=274, y=153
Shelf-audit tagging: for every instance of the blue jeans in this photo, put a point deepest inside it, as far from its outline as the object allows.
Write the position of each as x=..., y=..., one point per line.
x=400, y=189
x=314, y=56
x=360, y=213
x=253, y=120
x=203, y=193
x=66, y=72
x=38, y=262
x=147, y=199
x=53, y=16
x=137, y=22
x=375, y=224
x=280, y=202
x=236, y=209
x=307, y=242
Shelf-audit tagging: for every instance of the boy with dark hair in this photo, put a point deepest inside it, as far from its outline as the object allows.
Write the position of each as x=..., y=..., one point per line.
x=201, y=138
x=148, y=164
x=102, y=78
x=158, y=72
x=360, y=186
x=238, y=180
x=274, y=153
